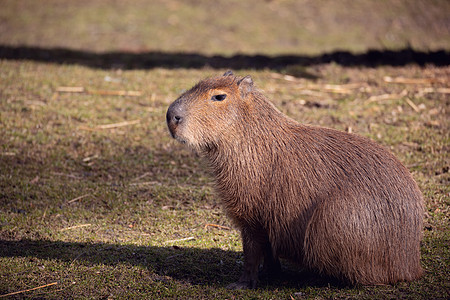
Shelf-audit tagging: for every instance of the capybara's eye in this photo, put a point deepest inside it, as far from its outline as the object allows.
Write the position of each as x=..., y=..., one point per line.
x=218, y=97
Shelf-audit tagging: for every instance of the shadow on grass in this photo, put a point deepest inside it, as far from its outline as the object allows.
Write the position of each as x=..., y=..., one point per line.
x=149, y=60
x=212, y=267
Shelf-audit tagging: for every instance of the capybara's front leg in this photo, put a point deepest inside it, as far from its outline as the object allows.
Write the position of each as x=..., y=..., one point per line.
x=253, y=255
x=271, y=266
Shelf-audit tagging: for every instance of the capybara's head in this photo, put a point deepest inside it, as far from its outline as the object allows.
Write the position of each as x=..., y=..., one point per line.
x=210, y=110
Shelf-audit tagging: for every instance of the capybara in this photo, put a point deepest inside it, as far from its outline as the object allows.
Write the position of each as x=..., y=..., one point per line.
x=334, y=202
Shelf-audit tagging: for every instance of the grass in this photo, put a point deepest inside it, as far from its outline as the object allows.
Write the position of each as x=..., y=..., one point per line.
x=103, y=212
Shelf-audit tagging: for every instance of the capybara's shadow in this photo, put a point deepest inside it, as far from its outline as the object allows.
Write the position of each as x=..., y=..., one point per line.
x=212, y=267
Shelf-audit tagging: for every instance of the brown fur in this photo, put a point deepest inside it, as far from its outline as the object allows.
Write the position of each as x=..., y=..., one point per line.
x=335, y=202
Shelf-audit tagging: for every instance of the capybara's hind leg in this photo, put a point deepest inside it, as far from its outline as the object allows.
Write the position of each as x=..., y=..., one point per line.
x=360, y=243
x=343, y=242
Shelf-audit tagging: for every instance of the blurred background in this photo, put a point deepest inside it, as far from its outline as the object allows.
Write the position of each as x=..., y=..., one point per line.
x=206, y=28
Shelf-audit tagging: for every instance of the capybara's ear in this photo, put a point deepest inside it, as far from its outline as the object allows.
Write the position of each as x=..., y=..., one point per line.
x=245, y=85
x=228, y=73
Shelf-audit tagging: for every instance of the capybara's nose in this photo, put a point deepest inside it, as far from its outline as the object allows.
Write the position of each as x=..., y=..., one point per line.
x=174, y=116
x=177, y=119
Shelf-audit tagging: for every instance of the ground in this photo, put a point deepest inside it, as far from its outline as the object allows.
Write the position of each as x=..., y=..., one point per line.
x=97, y=200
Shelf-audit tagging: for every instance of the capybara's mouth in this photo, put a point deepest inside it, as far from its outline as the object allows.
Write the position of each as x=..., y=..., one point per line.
x=172, y=128
x=172, y=132
x=178, y=138
x=175, y=136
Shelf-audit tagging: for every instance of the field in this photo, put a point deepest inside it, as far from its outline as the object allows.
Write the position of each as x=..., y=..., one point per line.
x=98, y=202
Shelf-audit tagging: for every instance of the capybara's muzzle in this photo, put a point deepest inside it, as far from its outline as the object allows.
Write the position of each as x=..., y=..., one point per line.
x=174, y=116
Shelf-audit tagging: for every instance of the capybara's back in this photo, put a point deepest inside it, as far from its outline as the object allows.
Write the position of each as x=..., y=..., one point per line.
x=332, y=201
